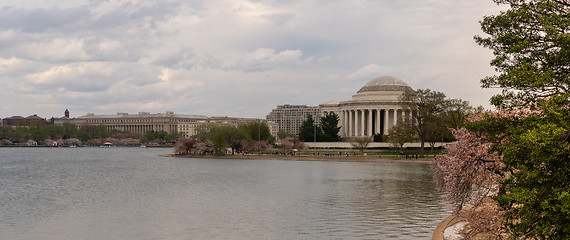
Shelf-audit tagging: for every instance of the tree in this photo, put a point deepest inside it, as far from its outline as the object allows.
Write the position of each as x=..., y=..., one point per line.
x=232, y=136
x=221, y=135
x=426, y=106
x=401, y=134
x=204, y=147
x=184, y=145
x=455, y=112
x=436, y=132
x=308, y=129
x=83, y=136
x=69, y=130
x=330, y=128
x=287, y=145
x=283, y=135
x=255, y=131
x=361, y=143
x=259, y=146
x=6, y=132
x=536, y=193
x=531, y=44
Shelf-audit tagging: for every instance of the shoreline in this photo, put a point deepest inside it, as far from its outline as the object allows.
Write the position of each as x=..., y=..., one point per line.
x=304, y=158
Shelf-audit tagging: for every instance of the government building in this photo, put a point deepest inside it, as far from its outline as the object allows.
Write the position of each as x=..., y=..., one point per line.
x=179, y=124
x=374, y=109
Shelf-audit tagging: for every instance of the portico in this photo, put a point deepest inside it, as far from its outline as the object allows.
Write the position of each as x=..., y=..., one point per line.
x=373, y=110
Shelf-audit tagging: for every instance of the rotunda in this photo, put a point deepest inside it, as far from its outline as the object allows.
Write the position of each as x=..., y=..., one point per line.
x=374, y=109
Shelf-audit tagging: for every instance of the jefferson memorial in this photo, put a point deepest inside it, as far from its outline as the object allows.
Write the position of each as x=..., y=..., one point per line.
x=374, y=109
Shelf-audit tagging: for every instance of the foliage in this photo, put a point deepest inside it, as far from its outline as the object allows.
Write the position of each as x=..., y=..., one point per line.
x=283, y=135
x=536, y=154
x=232, y=136
x=255, y=131
x=330, y=128
x=468, y=162
x=426, y=106
x=185, y=145
x=470, y=172
x=531, y=43
x=299, y=145
x=157, y=136
x=204, y=147
x=455, y=113
x=221, y=135
x=287, y=145
x=327, y=131
x=401, y=134
x=361, y=143
x=437, y=131
x=40, y=132
x=308, y=129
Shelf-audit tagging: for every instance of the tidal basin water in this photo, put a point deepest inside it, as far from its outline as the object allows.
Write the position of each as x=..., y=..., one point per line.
x=132, y=193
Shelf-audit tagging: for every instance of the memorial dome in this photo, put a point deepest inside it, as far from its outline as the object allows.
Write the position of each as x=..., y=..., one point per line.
x=385, y=83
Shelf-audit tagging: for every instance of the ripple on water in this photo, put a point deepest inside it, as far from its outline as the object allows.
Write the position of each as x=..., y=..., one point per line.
x=127, y=193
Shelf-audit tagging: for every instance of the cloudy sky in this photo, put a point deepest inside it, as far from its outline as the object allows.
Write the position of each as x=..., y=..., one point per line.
x=231, y=57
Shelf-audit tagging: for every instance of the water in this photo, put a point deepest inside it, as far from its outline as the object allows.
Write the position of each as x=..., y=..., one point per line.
x=132, y=193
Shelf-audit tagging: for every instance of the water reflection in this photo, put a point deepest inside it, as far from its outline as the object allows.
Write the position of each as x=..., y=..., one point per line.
x=133, y=194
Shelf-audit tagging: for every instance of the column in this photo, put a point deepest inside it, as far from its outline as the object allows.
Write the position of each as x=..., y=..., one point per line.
x=391, y=118
x=345, y=123
x=378, y=122
x=395, y=117
x=361, y=122
x=350, y=122
x=386, y=124
x=370, y=133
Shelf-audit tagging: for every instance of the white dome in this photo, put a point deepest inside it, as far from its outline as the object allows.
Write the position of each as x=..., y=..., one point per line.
x=385, y=83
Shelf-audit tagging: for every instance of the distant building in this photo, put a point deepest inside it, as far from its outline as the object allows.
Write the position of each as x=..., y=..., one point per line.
x=180, y=124
x=138, y=123
x=19, y=120
x=290, y=117
x=61, y=120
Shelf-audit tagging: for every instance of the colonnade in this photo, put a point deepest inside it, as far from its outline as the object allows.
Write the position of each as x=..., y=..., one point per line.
x=370, y=121
x=141, y=129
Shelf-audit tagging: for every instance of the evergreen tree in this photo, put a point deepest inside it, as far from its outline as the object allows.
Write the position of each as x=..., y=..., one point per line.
x=308, y=129
x=330, y=128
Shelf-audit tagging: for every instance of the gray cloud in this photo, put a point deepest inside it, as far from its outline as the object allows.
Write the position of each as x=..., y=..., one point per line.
x=229, y=57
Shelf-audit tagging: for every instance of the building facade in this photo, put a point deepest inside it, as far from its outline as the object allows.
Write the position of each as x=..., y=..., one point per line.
x=188, y=129
x=180, y=124
x=290, y=117
x=19, y=120
x=374, y=109
x=138, y=123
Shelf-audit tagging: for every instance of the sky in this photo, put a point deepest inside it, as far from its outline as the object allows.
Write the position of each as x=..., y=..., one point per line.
x=238, y=58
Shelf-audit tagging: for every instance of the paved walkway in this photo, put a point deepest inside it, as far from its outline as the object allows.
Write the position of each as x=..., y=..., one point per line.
x=448, y=229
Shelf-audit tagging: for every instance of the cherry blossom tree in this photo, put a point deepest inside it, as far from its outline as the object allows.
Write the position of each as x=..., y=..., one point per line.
x=185, y=145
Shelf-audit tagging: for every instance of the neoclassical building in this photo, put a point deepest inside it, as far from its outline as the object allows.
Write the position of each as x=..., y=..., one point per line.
x=182, y=124
x=373, y=110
